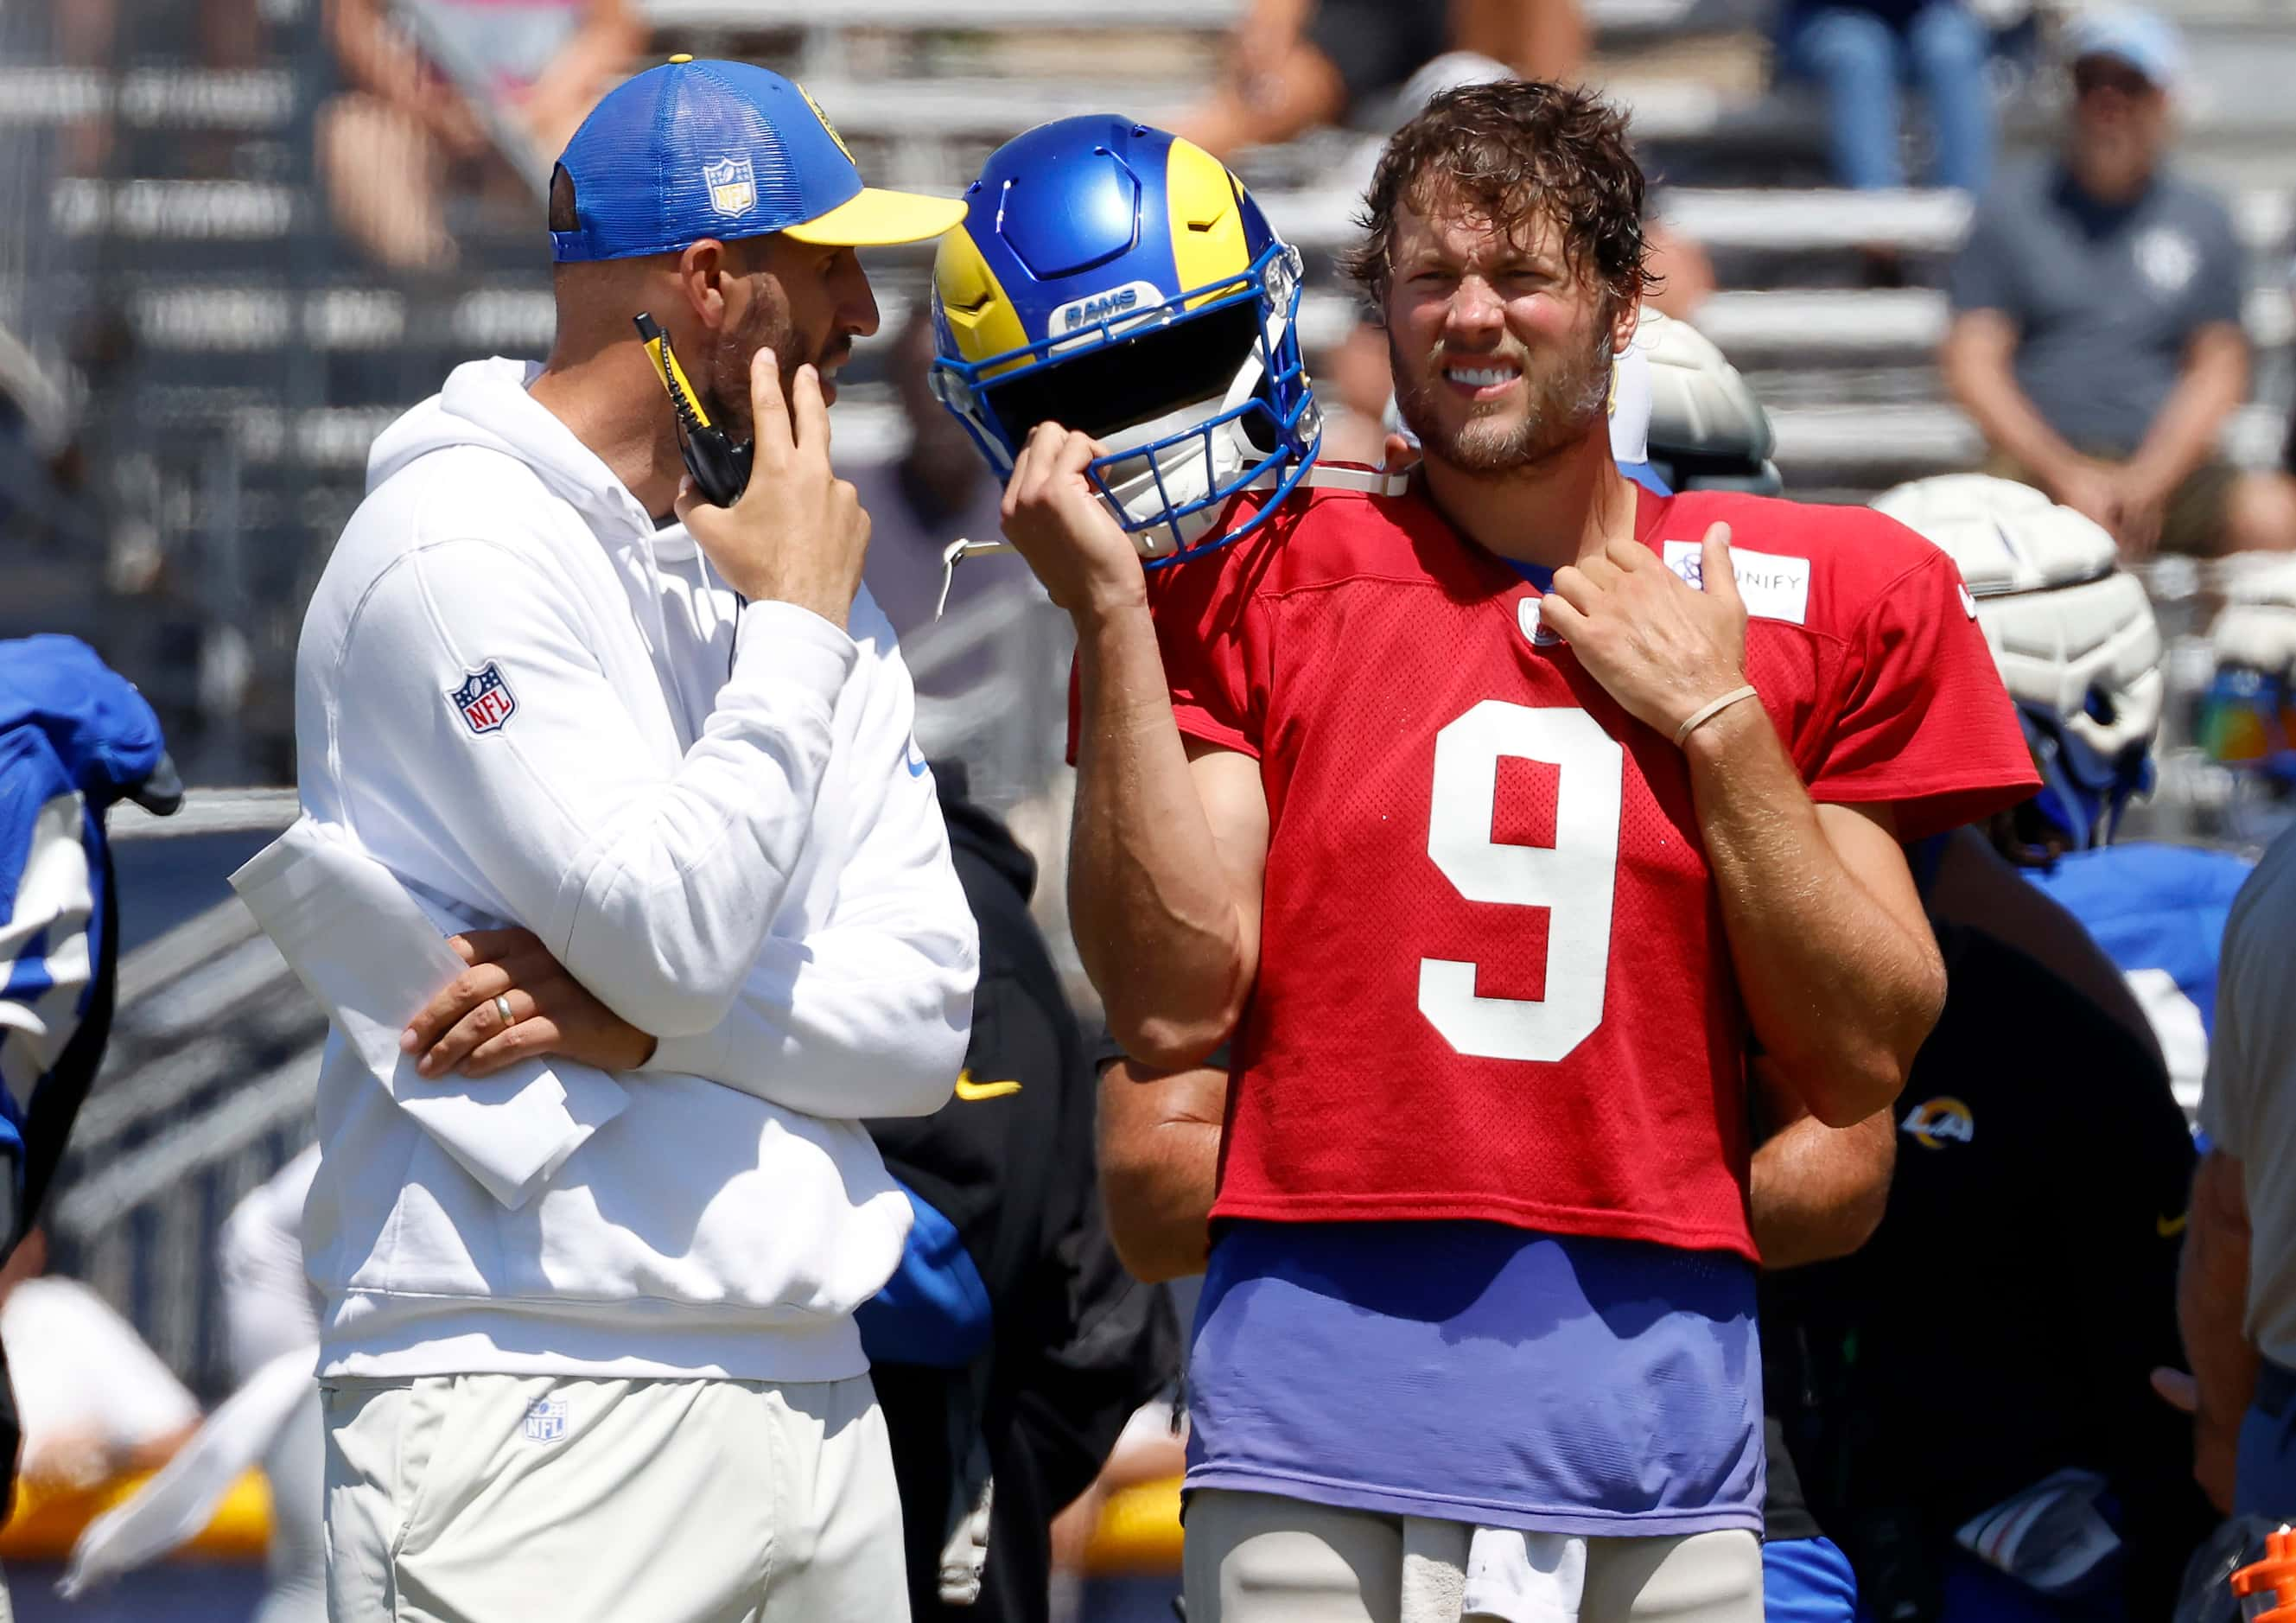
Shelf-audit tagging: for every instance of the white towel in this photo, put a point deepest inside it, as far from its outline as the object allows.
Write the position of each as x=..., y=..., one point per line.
x=1434, y=1570
x=365, y=947
x=1524, y=1577
x=181, y=1499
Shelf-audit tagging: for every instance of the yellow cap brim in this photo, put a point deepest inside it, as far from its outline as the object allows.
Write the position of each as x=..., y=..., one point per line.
x=875, y=219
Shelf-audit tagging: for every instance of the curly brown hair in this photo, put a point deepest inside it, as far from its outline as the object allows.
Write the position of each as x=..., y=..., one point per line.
x=1504, y=150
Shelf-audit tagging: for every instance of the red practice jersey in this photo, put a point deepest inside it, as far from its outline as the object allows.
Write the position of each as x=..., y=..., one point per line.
x=1494, y=981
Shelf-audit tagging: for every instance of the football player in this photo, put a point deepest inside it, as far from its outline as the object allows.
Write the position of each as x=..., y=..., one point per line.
x=1494, y=819
x=2078, y=647
x=1967, y=1396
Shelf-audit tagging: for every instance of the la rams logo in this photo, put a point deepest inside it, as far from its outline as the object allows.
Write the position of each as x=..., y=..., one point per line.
x=1935, y=1123
x=733, y=185
x=1119, y=309
x=825, y=123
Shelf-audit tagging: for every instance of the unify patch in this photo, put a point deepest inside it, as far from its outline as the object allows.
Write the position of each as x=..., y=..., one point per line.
x=1775, y=588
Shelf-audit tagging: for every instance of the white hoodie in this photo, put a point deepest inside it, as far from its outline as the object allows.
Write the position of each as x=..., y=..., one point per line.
x=714, y=816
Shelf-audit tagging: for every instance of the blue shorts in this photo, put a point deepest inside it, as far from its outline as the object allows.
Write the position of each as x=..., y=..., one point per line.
x=1807, y=1580
x=2264, y=1479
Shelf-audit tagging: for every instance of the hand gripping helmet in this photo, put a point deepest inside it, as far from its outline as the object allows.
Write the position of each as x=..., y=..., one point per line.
x=2247, y=717
x=1115, y=279
x=2073, y=635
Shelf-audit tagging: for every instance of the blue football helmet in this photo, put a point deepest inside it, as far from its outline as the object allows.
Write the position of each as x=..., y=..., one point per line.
x=1118, y=279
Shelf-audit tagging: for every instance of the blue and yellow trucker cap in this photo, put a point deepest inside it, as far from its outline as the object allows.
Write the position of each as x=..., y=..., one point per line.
x=716, y=149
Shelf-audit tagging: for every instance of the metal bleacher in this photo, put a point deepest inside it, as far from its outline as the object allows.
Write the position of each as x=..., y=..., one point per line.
x=263, y=341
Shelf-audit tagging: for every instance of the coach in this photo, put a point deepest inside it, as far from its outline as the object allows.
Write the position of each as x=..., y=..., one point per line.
x=670, y=796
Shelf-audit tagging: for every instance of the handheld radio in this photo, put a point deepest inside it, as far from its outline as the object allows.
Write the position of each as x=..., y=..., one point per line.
x=720, y=468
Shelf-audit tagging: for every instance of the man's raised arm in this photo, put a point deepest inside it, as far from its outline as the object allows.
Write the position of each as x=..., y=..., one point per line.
x=1171, y=835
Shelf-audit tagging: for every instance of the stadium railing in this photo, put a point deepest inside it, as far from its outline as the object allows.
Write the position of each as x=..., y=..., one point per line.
x=206, y=1092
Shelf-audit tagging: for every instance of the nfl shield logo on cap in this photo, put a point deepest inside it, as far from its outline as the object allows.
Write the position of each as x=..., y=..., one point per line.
x=484, y=699
x=733, y=185
x=698, y=148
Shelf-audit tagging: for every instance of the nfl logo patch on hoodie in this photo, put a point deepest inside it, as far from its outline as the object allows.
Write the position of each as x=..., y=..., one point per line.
x=484, y=699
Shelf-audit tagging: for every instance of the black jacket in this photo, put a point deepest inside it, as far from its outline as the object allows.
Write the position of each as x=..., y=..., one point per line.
x=2004, y=1319
x=1078, y=1344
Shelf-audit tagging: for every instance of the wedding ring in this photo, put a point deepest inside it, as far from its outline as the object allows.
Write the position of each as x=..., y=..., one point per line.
x=502, y=1007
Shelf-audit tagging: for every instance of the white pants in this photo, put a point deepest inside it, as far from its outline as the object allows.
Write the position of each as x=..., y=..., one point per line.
x=503, y=1498
x=1261, y=1558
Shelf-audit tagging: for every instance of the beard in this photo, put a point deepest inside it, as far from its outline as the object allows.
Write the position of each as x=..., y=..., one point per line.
x=1564, y=401
x=766, y=326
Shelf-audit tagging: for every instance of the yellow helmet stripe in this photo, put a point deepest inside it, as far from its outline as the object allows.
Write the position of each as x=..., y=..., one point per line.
x=1207, y=225
x=980, y=318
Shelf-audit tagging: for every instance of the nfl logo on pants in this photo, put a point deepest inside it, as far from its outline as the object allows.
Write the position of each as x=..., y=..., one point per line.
x=545, y=1420
x=484, y=699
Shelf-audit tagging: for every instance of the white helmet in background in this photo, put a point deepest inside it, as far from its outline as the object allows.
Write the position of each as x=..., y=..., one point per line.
x=2073, y=635
x=1630, y=399
x=1707, y=431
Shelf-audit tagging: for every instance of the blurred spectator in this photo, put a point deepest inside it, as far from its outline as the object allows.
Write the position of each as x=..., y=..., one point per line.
x=226, y=35
x=97, y=1403
x=2236, y=1294
x=1356, y=389
x=1858, y=52
x=937, y=491
x=1684, y=274
x=2288, y=440
x=2247, y=717
x=1150, y=1452
x=389, y=145
x=2096, y=337
x=275, y=1416
x=978, y=664
x=1299, y=64
x=269, y=1310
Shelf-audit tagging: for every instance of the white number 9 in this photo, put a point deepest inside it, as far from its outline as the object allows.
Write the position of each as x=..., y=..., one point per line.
x=1574, y=878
